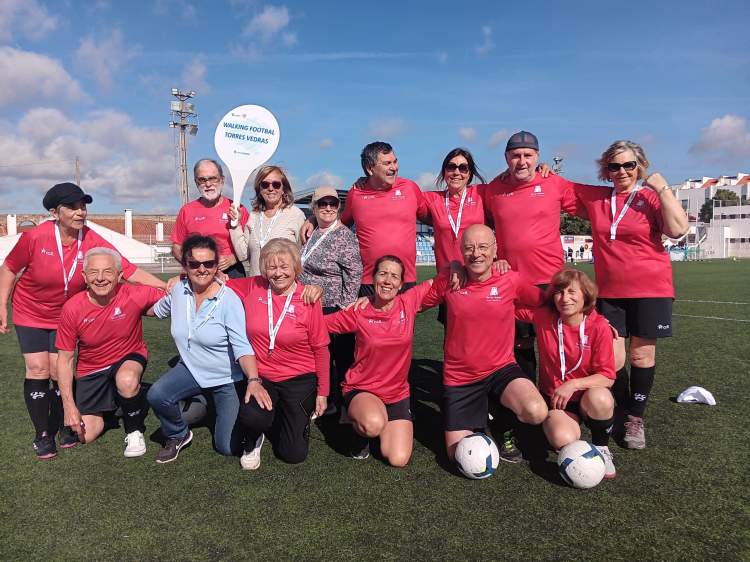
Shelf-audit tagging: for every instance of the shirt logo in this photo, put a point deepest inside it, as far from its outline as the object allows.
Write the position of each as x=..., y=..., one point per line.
x=493, y=292
x=88, y=320
x=494, y=295
x=374, y=321
x=224, y=216
x=538, y=191
x=118, y=311
x=639, y=204
x=46, y=252
x=398, y=195
x=290, y=310
x=198, y=219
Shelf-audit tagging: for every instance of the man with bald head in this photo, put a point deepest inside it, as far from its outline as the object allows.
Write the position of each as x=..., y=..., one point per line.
x=479, y=365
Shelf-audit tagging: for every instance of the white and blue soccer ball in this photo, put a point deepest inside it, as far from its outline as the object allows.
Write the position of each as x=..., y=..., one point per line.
x=477, y=456
x=581, y=465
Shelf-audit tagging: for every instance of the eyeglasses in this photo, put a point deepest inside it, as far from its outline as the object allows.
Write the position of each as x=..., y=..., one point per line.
x=451, y=167
x=327, y=202
x=483, y=248
x=271, y=184
x=206, y=181
x=208, y=264
x=615, y=167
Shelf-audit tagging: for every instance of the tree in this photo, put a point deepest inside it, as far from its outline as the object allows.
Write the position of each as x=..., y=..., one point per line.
x=707, y=210
x=572, y=225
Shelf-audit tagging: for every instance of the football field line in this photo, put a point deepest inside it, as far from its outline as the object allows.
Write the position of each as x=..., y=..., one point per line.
x=711, y=317
x=711, y=302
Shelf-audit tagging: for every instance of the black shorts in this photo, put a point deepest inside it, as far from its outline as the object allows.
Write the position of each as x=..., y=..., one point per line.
x=96, y=393
x=400, y=410
x=466, y=406
x=644, y=318
x=36, y=340
x=443, y=313
x=368, y=290
x=571, y=406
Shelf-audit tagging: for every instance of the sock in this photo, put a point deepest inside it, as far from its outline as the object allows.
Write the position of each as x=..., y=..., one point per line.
x=641, y=381
x=56, y=415
x=36, y=394
x=133, y=412
x=620, y=389
x=600, y=430
x=526, y=359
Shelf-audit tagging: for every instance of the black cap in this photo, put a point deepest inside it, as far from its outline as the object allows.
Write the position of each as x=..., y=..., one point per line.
x=64, y=193
x=522, y=139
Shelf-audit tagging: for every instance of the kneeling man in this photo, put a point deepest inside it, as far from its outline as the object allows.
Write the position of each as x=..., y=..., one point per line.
x=104, y=324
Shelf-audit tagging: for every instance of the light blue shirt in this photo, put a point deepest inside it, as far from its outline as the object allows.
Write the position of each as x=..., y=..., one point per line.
x=211, y=340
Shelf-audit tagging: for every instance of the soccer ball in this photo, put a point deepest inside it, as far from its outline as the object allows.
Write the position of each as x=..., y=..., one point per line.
x=477, y=456
x=581, y=464
x=194, y=409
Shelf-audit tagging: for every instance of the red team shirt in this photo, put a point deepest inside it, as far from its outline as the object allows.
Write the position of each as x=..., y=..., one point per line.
x=635, y=264
x=481, y=324
x=598, y=355
x=196, y=218
x=447, y=244
x=527, y=223
x=39, y=294
x=386, y=224
x=105, y=334
x=383, y=348
x=301, y=344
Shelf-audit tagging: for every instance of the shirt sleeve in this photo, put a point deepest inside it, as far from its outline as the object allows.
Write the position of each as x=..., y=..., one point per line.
x=342, y=322
x=179, y=232
x=163, y=307
x=244, y=216
x=20, y=256
x=413, y=298
x=350, y=264
x=145, y=296
x=602, y=354
x=525, y=314
x=424, y=211
x=568, y=201
x=67, y=335
x=436, y=294
x=527, y=294
x=346, y=217
x=317, y=335
x=234, y=323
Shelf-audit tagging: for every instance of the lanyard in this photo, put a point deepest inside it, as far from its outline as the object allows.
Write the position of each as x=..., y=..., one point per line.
x=561, y=347
x=307, y=250
x=455, y=226
x=274, y=329
x=68, y=276
x=613, y=227
x=191, y=305
x=263, y=238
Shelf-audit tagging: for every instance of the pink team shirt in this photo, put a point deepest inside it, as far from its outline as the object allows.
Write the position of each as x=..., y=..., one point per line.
x=196, y=218
x=383, y=348
x=598, y=356
x=301, y=344
x=527, y=223
x=386, y=223
x=39, y=294
x=480, y=322
x=447, y=244
x=105, y=334
x=635, y=264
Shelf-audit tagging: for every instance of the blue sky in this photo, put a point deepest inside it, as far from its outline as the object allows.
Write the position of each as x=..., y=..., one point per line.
x=93, y=79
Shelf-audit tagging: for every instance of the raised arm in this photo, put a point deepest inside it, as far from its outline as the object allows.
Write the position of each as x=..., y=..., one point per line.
x=674, y=219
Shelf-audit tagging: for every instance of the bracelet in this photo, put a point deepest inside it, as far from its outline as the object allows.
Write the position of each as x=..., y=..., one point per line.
x=662, y=190
x=254, y=379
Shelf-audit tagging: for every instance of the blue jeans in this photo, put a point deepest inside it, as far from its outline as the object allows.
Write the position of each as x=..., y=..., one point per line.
x=178, y=384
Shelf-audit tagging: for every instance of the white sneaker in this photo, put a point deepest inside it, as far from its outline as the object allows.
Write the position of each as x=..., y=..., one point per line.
x=250, y=460
x=609, y=465
x=135, y=444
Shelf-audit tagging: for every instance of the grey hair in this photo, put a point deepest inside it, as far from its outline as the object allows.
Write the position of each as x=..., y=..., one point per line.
x=207, y=161
x=616, y=148
x=102, y=251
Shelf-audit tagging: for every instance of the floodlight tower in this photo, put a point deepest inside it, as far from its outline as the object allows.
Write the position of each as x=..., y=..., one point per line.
x=557, y=168
x=184, y=118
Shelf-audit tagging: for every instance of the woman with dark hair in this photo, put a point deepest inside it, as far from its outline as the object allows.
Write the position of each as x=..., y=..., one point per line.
x=633, y=269
x=576, y=365
x=208, y=327
x=273, y=216
x=50, y=261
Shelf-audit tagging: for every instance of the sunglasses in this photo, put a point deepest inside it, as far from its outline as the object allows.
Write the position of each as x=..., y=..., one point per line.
x=208, y=264
x=451, y=167
x=265, y=184
x=327, y=202
x=615, y=167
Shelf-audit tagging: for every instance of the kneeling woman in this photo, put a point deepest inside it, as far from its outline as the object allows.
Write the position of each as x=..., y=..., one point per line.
x=576, y=363
x=376, y=387
x=291, y=341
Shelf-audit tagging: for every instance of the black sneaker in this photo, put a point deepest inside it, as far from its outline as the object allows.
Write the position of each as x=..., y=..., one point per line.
x=172, y=448
x=44, y=447
x=508, y=450
x=360, y=448
x=68, y=438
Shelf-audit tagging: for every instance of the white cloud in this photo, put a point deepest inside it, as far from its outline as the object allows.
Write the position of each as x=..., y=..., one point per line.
x=325, y=144
x=268, y=23
x=324, y=178
x=387, y=128
x=499, y=137
x=104, y=59
x=487, y=44
x=725, y=138
x=426, y=180
x=194, y=76
x=28, y=76
x=289, y=39
x=468, y=133
x=25, y=17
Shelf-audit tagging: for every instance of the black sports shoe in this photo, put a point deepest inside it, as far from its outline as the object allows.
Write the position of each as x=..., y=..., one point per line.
x=68, y=438
x=360, y=448
x=508, y=450
x=44, y=447
x=172, y=448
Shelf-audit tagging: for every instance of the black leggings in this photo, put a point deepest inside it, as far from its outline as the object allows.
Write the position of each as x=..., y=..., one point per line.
x=287, y=425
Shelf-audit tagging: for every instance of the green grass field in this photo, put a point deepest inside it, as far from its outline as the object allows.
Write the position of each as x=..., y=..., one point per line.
x=685, y=497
